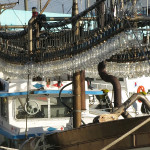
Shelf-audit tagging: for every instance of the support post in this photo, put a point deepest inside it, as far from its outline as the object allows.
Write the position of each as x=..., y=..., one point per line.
x=30, y=35
x=37, y=36
x=75, y=25
x=77, y=100
x=26, y=5
x=76, y=75
x=100, y=14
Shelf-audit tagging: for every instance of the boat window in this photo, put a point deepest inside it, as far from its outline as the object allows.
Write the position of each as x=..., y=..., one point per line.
x=4, y=85
x=47, y=107
x=57, y=109
x=4, y=106
x=34, y=108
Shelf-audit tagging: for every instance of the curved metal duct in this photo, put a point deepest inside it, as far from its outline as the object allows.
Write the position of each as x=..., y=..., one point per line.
x=113, y=80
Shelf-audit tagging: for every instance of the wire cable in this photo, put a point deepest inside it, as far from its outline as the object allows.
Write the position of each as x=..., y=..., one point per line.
x=70, y=109
x=15, y=13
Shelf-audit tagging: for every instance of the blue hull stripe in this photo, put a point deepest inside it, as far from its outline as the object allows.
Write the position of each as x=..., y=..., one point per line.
x=5, y=94
x=16, y=137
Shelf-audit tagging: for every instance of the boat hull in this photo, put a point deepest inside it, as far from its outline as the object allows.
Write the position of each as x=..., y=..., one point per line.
x=98, y=136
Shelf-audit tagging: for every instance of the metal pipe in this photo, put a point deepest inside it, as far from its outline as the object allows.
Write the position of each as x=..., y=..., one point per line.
x=112, y=7
x=26, y=5
x=130, y=101
x=76, y=100
x=13, y=26
x=75, y=24
x=139, y=18
x=76, y=75
x=30, y=34
x=66, y=18
x=37, y=35
x=113, y=80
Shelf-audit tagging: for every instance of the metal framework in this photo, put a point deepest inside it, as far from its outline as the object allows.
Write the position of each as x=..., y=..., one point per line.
x=3, y=7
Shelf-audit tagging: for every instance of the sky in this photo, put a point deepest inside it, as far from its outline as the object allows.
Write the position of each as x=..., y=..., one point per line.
x=55, y=6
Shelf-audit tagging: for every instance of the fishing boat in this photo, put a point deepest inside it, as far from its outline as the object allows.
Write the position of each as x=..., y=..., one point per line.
x=50, y=114
x=46, y=113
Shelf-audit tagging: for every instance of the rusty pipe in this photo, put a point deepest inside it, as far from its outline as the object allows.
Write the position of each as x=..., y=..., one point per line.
x=113, y=80
x=76, y=100
x=130, y=101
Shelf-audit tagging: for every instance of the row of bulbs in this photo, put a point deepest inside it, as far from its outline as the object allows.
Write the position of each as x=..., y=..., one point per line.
x=124, y=70
x=79, y=62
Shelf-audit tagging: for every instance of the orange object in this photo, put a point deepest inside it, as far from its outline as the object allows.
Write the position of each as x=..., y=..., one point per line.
x=141, y=89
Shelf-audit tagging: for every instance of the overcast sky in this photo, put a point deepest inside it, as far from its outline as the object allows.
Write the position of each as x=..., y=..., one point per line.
x=55, y=6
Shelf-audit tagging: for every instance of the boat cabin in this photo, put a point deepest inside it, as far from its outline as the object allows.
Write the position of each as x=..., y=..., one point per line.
x=44, y=113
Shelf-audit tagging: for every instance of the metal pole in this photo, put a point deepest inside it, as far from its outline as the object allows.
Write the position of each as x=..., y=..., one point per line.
x=37, y=36
x=81, y=3
x=88, y=3
x=40, y=5
x=77, y=100
x=30, y=37
x=43, y=9
x=100, y=14
x=26, y=4
x=122, y=4
x=130, y=101
x=76, y=75
x=126, y=134
x=30, y=34
x=112, y=6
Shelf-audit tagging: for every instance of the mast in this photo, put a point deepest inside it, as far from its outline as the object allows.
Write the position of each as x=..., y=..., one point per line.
x=26, y=5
